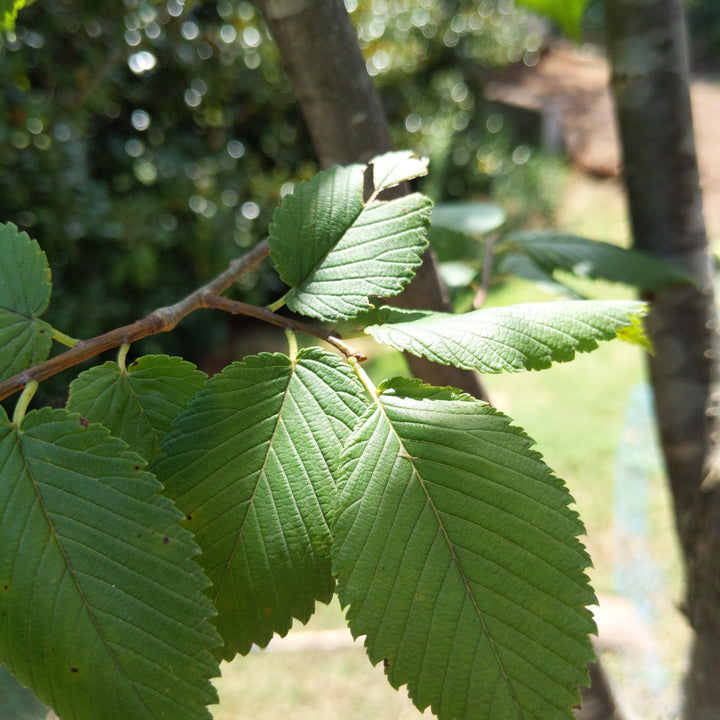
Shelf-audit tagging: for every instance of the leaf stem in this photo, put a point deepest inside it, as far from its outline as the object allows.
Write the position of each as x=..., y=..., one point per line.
x=64, y=339
x=279, y=303
x=292, y=343
x=486, y=274
x=161, y=320
x=23, y=402
x=364, y=377
x=122, y=355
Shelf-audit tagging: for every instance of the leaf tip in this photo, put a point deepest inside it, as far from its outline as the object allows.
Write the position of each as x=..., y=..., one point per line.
x=635, y=333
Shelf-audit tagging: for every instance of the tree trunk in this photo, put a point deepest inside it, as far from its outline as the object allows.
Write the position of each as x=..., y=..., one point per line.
x=347, y=124
x=598, y=700
x=650, y=82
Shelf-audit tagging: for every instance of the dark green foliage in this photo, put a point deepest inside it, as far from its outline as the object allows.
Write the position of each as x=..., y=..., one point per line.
x=431, y=62
x=116, y=202
x=101, y=608
x=704, y=26
x=444, y=477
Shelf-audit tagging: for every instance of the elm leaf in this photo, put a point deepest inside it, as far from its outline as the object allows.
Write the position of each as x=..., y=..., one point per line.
x=102, y=609
x=137, y=404
x=459, y=560
x=334, y=247
x=252, y=465
x=25, y=289
x=595, y=259
x=529, y=336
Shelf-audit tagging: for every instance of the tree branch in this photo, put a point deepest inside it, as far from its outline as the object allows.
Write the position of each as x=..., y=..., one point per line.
x=161, y=320
x=260, y=313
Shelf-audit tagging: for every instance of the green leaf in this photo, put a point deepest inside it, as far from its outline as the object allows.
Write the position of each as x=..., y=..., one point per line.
x=567, y=13
x=457, y=274
x=453, y=246
x=138, y=404
x=24, y=295
x=102, y=610
x=335, y=241
x=474, y=219
x=8, y=12
x=393, y=168
x=251, y=466
x=595, y=259
x=522, y=266
x=457, y=230
x=459, y=559
x=529, y=336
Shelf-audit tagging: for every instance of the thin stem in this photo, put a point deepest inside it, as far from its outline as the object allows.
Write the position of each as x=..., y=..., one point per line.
x=122, y=355
x=64, y=339
x=266, y=315
x=279, y=303
x=23, y=402
x=159, y=321
x=364, y=378
x=292, y=343
x=486, y=274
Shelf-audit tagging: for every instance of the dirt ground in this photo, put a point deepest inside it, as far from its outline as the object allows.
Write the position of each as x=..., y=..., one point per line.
x=569, y=86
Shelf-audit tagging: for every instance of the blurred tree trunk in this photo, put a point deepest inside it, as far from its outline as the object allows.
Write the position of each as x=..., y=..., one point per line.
x=650, y=82
x=598, y=702
x=347, y=123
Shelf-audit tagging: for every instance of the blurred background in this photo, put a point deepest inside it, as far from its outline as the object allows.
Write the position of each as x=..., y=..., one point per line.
x=146, y=144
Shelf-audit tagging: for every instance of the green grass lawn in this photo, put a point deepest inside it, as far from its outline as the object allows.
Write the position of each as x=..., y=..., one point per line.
x=335, y=684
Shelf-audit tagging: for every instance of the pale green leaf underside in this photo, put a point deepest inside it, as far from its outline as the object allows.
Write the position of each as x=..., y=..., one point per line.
x=251, y=466
x=520, y=265
x=595, y=260
x=102, y=609
x=457, y=274
x=138, y=405
x=529, y=336
x=393, y=168
x=459, y=559
x=24, y=296
x=334, y=249
x=474, y=219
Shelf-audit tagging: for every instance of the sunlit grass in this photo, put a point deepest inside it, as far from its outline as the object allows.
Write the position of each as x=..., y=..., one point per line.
x=332, y=684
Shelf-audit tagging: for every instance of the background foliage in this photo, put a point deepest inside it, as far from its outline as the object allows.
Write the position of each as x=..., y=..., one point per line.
x=704, y=25
x=144, y=137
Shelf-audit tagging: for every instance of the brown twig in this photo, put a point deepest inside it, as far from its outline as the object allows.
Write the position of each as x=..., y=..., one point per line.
x=260, y=313
x=166, y=318
x=158, y=321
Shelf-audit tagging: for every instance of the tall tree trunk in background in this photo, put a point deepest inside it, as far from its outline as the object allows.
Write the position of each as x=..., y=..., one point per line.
x=650, y=82
x=347, y=123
